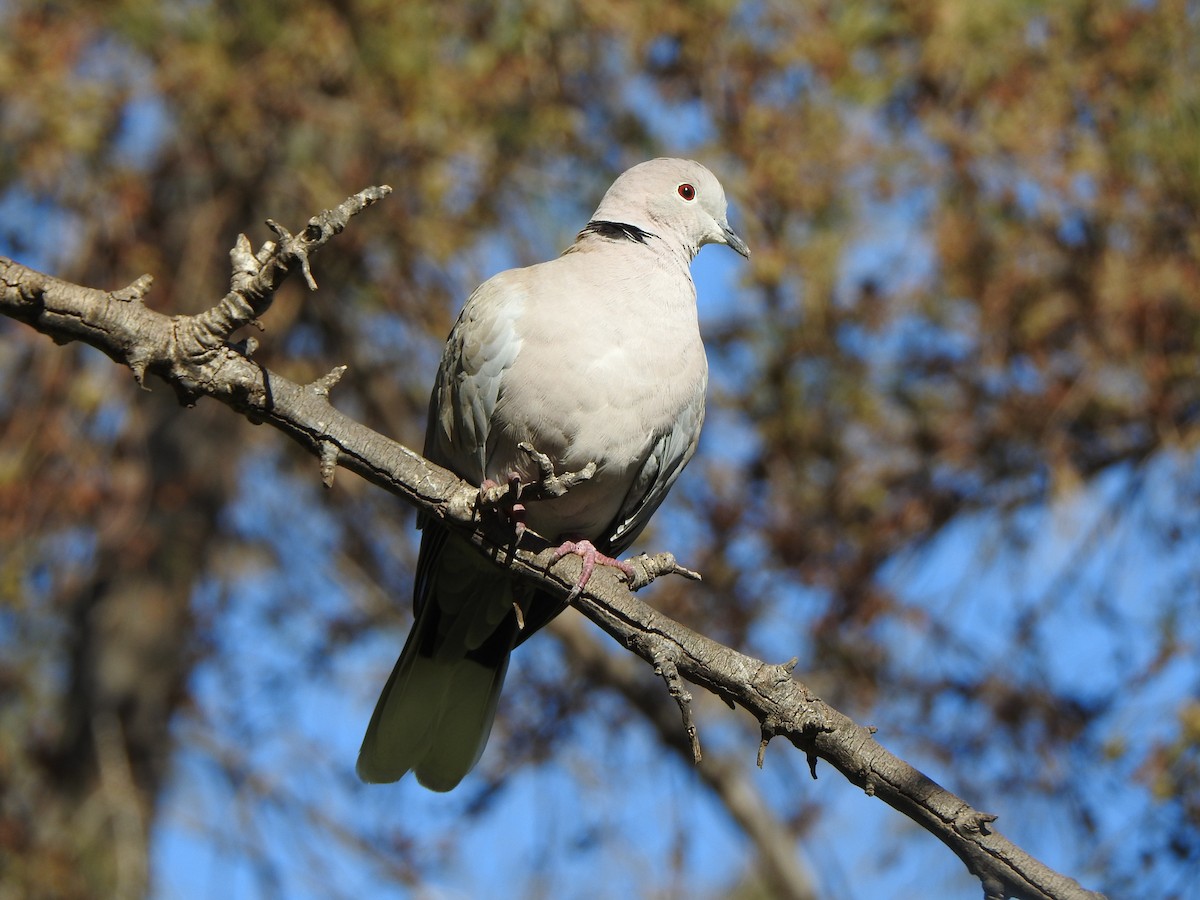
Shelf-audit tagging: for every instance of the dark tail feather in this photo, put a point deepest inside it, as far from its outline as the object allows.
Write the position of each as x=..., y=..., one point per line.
x=437, y=708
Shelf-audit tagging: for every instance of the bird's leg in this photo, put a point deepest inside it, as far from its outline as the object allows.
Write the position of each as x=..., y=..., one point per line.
x=587, y=552
x=507, y=499
x=516, y=511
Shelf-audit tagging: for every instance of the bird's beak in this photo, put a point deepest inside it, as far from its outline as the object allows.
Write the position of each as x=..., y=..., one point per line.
x=732, y=240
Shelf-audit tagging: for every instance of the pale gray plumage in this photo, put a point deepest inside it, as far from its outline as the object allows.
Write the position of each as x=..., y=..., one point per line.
x=591, y=357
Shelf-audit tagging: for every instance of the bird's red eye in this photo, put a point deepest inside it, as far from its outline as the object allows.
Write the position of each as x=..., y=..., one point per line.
x=687, y=192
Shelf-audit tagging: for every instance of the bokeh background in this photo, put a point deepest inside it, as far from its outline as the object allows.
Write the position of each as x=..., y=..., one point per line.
x=951, y=461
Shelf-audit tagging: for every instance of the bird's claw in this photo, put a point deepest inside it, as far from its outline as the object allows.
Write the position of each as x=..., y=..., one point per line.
x=590, y=556
x=506, y=499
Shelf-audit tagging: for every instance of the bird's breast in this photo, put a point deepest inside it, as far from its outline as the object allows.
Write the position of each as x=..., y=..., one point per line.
x=606, y=400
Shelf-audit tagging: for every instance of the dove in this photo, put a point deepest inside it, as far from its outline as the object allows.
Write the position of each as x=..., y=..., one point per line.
x=593, y=357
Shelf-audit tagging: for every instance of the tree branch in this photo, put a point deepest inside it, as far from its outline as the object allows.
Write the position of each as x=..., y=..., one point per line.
x=195, y=356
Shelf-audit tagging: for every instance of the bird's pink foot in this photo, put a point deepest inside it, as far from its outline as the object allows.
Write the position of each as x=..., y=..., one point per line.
x=587, y=552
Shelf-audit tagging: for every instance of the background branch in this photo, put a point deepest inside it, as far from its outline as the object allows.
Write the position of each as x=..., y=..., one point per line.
x=194, y=355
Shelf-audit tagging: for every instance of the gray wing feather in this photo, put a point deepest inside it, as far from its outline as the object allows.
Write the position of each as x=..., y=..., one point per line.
x=482, y=346
x=436, y=711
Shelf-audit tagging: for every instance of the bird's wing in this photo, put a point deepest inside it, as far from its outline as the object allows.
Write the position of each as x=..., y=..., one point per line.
x=668, y=453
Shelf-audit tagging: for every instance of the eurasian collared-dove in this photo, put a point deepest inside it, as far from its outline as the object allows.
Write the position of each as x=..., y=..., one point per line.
x=591, y=357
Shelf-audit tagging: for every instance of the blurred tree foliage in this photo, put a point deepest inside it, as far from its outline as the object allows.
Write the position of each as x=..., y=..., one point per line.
x=1040, y=327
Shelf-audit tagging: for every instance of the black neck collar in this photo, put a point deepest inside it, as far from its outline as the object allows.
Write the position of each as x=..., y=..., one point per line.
x=616, y=231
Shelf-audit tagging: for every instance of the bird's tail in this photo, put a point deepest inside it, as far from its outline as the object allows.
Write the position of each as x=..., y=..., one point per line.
x=436, y=710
